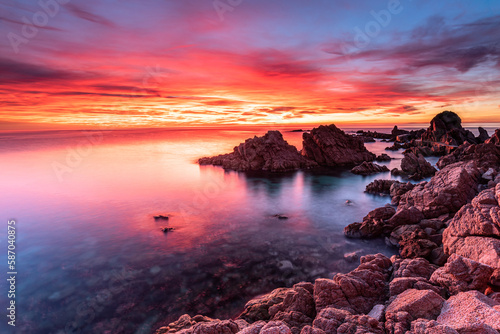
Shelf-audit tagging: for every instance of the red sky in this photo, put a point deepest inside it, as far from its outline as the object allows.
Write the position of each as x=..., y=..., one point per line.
x=115, y=64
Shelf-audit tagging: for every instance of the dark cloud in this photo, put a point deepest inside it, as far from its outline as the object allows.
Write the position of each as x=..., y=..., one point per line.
x=16, y=72
x=88, y=16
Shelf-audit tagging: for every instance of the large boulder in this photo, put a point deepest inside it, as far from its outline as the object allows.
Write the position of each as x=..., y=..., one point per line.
x=358, y=291
x=474, y=232
x=461, y=274
x=330, y=146
x=412, y=305
x=267, y=153
x=485, y=156
x=416, y=167
x=446, y=127
x=446, y=192
x=466, y=311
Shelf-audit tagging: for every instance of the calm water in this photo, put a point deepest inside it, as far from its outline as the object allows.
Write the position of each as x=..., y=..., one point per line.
x=91, y=258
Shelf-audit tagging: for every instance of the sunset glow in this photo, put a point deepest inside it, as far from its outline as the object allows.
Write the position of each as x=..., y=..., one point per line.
x=90, y=64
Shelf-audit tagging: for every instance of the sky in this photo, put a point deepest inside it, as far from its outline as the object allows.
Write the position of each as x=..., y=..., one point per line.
x=67, y=64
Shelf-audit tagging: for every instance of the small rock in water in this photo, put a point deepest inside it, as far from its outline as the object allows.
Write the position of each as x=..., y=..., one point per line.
x=167, y=229
x=161, y=217
x=348, y=203
x=280, y=216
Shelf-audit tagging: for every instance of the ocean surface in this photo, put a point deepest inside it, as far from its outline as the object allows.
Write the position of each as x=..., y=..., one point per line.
x=91, y=258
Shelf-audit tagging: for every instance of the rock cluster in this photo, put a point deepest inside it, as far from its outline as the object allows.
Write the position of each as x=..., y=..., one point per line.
x=330, y=146
x=446, y=278
x=267, y=153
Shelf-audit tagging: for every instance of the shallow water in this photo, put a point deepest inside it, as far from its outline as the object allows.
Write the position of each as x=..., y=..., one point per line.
x=92, y=259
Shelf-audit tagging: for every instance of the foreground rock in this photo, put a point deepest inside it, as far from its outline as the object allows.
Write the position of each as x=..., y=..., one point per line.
x=446, y=192
x=495, y=139
x=267, y=153
x=368, y=168
x=330, y=146
x=471, y=312
x=474, y=232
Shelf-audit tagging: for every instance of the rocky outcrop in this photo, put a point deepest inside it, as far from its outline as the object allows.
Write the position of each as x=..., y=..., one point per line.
x=484, y=155
x=446, y=192
x=446, y=127
x=416, y=167
x=398, y=132
x=474, y=232
x=495, y=139
x=368, y=168
x=330, y=146
x=267, y=153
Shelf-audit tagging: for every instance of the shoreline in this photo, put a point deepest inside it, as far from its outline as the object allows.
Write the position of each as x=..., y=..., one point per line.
x=441, y=269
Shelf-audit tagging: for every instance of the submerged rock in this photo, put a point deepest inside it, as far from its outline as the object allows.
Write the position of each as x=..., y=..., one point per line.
x=267, y=153
x=380, y=187
x=330, y=146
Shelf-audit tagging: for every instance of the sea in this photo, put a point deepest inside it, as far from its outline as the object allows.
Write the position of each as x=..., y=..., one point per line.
x=90, y=257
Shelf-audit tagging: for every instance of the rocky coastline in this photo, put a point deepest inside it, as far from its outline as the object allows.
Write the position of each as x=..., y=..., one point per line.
x=446, y=277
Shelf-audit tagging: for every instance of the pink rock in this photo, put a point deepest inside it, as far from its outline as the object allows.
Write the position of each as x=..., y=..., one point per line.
x=312, y=330
x=216, y=327
x=413, y=268
x=360, y=324
x=258, y=308
x=401, y=284
x=462, y=274
x=466, y=309
x=474, y=232
x=330, y=319
x=275, y=327
x=423, y=326
x=357, y=291
x=418, y=303
x=416, y=167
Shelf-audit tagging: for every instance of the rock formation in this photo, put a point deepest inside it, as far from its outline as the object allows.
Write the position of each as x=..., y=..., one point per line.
x=495, y=139
x=267, y=153
x=368, y=168
x=446, y=127
x=416, y=167
x=330, y=146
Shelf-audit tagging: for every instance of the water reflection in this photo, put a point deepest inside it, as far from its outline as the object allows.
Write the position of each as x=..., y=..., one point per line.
x=93, y=258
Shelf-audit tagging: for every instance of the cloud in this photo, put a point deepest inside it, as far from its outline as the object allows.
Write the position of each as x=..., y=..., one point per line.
x=88, y=16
